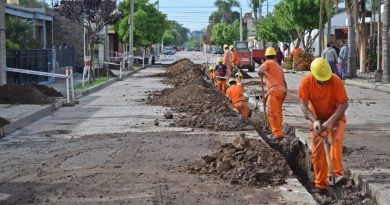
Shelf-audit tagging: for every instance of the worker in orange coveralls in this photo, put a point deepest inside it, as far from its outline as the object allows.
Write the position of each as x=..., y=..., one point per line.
x=220, y=75
x=235, y=93
x=234, y=58
x=212, y=74
x=227, y=60
x=277, y=89
x=324, y=101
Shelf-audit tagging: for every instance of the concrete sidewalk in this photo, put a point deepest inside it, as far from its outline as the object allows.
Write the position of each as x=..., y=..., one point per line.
x=367, y=136
x=70, y=153
x=363, y=83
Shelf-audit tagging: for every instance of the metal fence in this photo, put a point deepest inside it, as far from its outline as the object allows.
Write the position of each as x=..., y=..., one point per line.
x=38, y=60
x=65, y=55
x=31, y=59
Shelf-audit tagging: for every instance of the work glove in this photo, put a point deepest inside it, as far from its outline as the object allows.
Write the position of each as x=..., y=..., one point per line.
x=317, y=127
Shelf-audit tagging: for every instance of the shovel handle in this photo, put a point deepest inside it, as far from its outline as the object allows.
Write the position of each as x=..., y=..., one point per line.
x=328, y=159
x=263, y=99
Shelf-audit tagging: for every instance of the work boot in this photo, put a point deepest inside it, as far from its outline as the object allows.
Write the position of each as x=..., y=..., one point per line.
x=338, y=180
x=319, y=191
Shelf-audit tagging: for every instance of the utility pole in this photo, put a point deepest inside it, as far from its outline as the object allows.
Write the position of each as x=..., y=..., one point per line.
x=240, y=24
x=378, y=41
x=131, y=33
x=267, y=6
x=3, y=58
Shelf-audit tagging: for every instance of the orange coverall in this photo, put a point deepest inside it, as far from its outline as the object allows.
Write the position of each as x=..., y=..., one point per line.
x=235, y=93
x=227, y=60
x=277, y=90
x=234, y=57
x=221, y=85
x=220, y=71
x=323, y=102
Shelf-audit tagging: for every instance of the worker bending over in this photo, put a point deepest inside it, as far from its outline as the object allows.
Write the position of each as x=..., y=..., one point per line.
x=324, y=101
x=277, y=90
x=220, y=75
x=235, y=93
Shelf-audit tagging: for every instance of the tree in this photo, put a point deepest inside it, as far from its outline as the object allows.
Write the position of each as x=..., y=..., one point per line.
x=385, y=42
x=93, y=15
x=268, y=29
x=149, y=23
x=255, y=6
x=176, y=34
x=20, y=33
x=224, y=13
x=351, y=65
x=224, y=33
x=298, y=19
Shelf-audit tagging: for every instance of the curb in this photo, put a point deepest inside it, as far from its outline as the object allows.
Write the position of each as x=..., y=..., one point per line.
x=48, y=109
x=103, y=85
x=374, y=86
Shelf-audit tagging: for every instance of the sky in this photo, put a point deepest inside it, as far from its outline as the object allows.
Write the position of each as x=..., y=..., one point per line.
x=194, y=14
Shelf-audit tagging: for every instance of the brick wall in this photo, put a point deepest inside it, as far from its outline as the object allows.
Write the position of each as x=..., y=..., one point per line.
x=69, y=32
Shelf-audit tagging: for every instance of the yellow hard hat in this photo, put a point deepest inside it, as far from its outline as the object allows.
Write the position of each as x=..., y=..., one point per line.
x=231, y=47
x=211, y=67
x=239, y=74
x=270, y=52
x=220, y=60
x=231, y=80
x=225, y=46
x=320, y=69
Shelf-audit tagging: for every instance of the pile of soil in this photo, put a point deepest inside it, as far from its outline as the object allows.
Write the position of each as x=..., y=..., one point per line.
x=245, y=161
x=204, y=105
x=3, y=122
x=27, y=94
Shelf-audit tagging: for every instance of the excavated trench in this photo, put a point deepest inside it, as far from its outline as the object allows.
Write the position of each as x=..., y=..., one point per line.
x=297, y=155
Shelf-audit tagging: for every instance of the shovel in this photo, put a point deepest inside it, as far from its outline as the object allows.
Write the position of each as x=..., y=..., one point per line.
x=264, y=102
x=334, y=190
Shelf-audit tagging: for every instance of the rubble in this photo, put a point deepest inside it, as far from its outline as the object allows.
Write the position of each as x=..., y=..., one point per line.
x=245, y=161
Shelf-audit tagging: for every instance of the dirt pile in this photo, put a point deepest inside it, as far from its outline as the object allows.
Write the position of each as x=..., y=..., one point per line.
x=204, y=105
x=245, y=161
x=27, y=94
x=3, y=122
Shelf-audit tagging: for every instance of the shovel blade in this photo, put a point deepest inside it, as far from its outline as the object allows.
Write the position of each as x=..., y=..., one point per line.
x=335, y=192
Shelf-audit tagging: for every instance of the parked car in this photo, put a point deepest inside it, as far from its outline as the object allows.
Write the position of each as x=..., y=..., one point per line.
x=217, y=50
x=169, y=51
x=197, y=49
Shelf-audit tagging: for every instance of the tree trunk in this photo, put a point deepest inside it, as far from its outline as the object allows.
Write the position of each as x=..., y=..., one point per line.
x=329, y=16
x=379, y=36
x=362, y=39
x=321, y=28
x=385, y=42
x=351, y=68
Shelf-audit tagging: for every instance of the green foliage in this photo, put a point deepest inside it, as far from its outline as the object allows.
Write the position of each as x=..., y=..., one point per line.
x=223, y=33
x=224, y=13
x=20, y=33
x=176, y=34
x=192, y=43
x=149, y=23
x=269, y=29
x=33, y=4
x=290, y=19
x=371, y=58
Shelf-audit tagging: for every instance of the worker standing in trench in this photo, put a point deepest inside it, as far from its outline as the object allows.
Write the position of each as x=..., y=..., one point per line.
x=227, y=60
x=277, y=90
x=220, y=75
x=234, y=58
x=324, y=101
x=235, y=93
